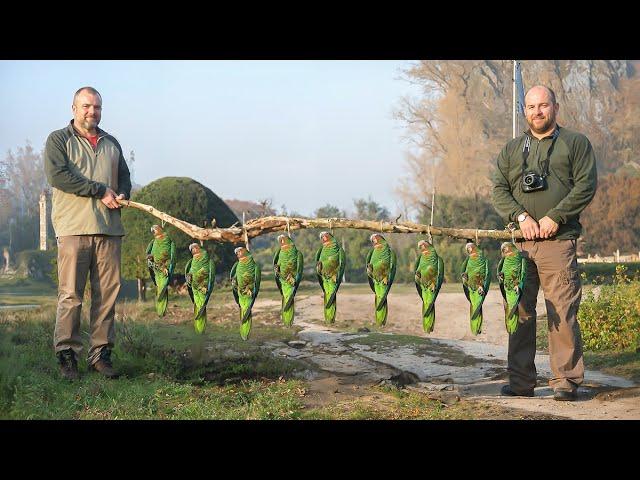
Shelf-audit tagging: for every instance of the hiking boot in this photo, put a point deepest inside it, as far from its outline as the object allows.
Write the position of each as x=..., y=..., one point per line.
x=565, y=395
x=103, y=365
x=506, y=391
x=68, y=364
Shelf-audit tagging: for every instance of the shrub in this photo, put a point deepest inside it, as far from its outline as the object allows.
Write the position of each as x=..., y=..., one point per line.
x=610, y=318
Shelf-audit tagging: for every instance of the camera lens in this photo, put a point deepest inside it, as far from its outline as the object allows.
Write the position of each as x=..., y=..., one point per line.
x=528, y=179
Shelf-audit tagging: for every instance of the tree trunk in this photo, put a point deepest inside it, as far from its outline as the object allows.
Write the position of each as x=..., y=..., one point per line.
x=142, y=290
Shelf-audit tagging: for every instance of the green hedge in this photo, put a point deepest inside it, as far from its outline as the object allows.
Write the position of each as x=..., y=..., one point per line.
x=610, y=316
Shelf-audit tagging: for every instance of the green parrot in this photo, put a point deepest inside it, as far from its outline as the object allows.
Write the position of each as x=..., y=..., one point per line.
x=200, y=275
x=512, y=271
x=245, y=284
x=475, y=282
x=161, y=260
x=429, y=275
x=330, y=265
x=381, y=270
x=287, y=265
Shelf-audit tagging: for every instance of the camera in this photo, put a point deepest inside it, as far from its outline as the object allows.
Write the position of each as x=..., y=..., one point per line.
x=532, y=182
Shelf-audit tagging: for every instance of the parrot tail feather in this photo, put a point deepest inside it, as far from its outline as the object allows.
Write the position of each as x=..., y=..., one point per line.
x=161, y=302
x=245, y=326
x=200, y=319
x=330, y=308
x=511, y=319
x=429, y=318
x=381, y=313
x=476, y=320
x=287, y=313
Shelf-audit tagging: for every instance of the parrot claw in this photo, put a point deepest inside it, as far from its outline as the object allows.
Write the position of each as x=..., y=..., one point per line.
x=481, y=291
x=501, y=276
x=465, y=278
x=319, y=268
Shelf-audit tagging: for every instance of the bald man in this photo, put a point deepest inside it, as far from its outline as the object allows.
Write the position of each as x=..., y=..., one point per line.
x=88, y=173
x=543, y=180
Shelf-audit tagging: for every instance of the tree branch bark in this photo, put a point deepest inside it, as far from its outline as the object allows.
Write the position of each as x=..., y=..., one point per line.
x=264, y=225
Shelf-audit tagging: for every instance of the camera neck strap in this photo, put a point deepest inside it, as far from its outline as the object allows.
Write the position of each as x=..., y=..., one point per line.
x=527, y=147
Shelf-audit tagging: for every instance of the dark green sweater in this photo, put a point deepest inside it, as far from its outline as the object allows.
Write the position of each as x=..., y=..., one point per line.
x=572, y=180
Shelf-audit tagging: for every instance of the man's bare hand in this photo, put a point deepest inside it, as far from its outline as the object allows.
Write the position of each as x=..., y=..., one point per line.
x=530, y=229
x=109, y=198
x=548, y=228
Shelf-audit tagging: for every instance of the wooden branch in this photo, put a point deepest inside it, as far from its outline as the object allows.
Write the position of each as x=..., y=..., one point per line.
x=264, y=225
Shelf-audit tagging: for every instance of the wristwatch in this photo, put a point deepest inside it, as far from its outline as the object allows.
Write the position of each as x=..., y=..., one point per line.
x=522, y=217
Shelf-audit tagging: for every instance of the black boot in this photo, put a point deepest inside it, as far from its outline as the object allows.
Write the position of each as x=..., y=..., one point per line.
x=103, y=365
x=68, y=364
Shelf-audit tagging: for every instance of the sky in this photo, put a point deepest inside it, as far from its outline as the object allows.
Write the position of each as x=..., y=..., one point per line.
x=301, y=133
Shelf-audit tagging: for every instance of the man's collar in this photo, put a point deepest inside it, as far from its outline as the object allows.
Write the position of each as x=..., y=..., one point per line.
x=101, y=133
x=554, y=134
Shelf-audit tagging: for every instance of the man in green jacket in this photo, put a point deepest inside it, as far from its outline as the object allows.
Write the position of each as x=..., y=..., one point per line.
x=543, y=180
x=88, y=173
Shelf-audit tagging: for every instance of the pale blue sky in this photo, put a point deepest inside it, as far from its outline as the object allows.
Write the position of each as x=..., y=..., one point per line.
x=304, y=133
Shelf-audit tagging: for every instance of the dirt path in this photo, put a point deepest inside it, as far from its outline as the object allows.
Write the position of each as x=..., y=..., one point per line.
x=449, y=362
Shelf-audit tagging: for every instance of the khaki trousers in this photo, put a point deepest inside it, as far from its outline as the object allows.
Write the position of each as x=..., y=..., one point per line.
x=552, y=264
x=99, y=257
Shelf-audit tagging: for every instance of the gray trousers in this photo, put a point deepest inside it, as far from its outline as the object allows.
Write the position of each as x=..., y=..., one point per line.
x=553, y=265
x=99, y=257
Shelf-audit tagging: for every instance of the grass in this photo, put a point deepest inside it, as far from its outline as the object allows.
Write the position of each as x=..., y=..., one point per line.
x=168, y=372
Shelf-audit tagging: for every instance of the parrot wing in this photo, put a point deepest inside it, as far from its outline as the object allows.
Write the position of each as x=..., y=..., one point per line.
x=186, y=272
x=232, y=275
x=415, y=269
x=212, y=276
x=254, y=292
x=370, y=280
x=341, y=266
x=296, y=282
x=317, y=274
x=464, y=283
x=523, y=276
x=172, y=260
x=390, y=277
x=275, y=273
x=151, y=272
x=342, y=259
x=440, y=275
x=439, y=280
x=500, y=281
x=487, y=279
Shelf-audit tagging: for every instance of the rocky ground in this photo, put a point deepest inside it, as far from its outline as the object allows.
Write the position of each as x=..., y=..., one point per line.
x=449, y=364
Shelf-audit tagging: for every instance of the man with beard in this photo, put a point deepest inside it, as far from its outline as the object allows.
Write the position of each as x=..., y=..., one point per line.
x=543, y=180
x=88, y=173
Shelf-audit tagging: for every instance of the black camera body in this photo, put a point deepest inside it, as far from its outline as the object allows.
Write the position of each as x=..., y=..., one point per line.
x=532, y=182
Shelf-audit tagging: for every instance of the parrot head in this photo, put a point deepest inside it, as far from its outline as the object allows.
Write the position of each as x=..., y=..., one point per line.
x=284, y=241
x=425, y=247
x=471, y=249
x=327, y=238
x=241, y=253
x=508, y=249
x=157, y=230
x=195, y=249
x=377, y=240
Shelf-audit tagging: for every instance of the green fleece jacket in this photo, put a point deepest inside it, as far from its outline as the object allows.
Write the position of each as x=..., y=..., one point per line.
x=79, y=177
x=572, y=180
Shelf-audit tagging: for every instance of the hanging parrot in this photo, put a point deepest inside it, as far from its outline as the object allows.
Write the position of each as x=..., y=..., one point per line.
x=200, y=275
x=161, y=260
x=512, y=271
x=287, y=265
x=475, y=282
x=429, y=274
x=381, y=270
x=330, y=265
x=245, y=284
